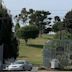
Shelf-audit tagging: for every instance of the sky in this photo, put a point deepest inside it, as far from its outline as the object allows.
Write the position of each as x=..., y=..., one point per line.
x=56, y=7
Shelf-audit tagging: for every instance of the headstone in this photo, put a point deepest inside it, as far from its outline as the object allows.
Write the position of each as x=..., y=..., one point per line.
x=55, y=63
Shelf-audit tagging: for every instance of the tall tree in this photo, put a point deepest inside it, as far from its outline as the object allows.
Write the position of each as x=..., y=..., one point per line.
x=57, y=19
x=39, y=17
x=17, y=27
x=58, y=26
x=68, y=21
x=6, y=34
x=23, y=16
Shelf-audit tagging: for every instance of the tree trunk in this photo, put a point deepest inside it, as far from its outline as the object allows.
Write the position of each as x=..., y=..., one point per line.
x=1, y=56
x=26, y=40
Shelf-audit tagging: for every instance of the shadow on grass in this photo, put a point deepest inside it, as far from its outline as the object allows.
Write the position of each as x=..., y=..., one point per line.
x=35, y=46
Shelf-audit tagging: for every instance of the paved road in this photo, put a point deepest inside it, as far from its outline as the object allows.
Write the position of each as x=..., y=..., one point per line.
x=35, y=69
x=54, y=71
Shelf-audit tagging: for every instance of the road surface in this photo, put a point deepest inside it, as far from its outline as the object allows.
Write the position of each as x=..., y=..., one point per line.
x=35, y=69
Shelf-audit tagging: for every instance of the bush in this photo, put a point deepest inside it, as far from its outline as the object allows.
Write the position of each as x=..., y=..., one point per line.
x=63, y=35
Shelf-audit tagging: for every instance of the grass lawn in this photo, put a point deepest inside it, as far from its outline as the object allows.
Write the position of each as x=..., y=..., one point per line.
x=33, y=50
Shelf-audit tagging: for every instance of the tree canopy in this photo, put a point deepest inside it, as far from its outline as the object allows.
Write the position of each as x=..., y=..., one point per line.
x=63, y=28
x=58, y=26
x=66, y=24
x=57, y=19
x=28, y=32
x=34, y=17
x=68, y=21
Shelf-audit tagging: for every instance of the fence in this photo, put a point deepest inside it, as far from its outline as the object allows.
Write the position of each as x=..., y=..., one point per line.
x=58, y=49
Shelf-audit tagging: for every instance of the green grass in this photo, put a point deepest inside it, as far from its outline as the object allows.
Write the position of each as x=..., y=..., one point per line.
x=33, y=50
x=49, y=37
